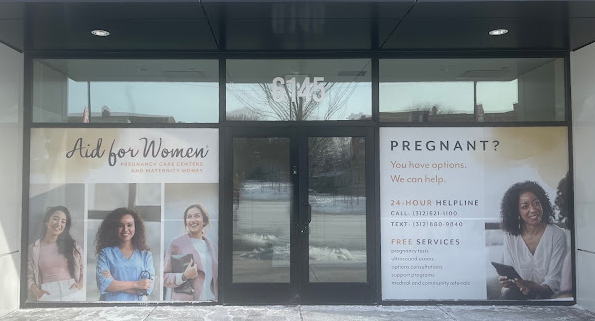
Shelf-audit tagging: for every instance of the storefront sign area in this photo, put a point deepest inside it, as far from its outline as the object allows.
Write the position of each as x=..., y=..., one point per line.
x=110, y=155
x=444, y=195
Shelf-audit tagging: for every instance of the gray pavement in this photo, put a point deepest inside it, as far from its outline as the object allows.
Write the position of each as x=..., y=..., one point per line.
x=299, y=313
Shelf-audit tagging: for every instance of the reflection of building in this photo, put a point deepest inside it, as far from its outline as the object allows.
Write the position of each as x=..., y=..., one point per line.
x=433, y=116
x=120, y=117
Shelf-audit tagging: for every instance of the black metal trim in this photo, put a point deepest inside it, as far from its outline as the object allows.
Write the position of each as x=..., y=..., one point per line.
x=222, y=277
x=122, y=125
x=110, y=304
x=225, y=215
x=398, y=24
x=572, y=228
x=222, y=90
x=296, y=54
x=27, y=116
x=300, y=252
x=340, y=292
x=375, y=90
x=300, y=124
x=377, y=226
x=481, y=302
x=475, y=124
x=268, y=293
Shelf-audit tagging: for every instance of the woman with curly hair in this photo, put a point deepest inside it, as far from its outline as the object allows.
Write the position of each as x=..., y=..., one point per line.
x=201, y=273
x=125, y=269
x=55, y=262
x=533, y=246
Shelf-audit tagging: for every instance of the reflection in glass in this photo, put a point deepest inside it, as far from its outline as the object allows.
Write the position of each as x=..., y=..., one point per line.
x=125, y=91
x=261, y=210
x=337, y=194
x=427, y=101
x=472, y=90
x=305, y=89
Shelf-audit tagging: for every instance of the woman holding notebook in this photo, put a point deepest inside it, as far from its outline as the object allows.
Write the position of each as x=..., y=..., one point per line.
x=191, y=261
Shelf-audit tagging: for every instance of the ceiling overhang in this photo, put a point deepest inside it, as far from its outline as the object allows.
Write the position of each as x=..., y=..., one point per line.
x=276, y=25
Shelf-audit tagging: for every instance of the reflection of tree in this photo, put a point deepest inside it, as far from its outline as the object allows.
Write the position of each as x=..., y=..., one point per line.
x=561, y=203
x=337, y=166
x=431, y=108
x=261, y=160
x=258, y=103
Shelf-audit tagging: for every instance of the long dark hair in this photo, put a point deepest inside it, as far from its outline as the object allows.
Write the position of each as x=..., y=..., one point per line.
x=509, y=209
x=107, y=235
x=65, y=242
x=562, y=201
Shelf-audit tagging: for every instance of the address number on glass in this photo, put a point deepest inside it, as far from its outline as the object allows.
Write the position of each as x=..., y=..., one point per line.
x=294, y=90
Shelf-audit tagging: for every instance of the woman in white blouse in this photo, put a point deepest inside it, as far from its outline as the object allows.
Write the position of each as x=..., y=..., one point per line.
x=202, y=270
x=533, y=246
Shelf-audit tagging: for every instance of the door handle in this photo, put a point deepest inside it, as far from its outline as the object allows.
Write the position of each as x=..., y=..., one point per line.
x=309, y=213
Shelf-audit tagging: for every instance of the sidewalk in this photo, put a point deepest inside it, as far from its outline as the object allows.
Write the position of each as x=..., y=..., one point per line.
x=299, y=313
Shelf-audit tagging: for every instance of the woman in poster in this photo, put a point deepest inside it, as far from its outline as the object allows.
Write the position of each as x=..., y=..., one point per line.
x=55, y=263
x=125, y=270
x=198, y=281
x=533, y=246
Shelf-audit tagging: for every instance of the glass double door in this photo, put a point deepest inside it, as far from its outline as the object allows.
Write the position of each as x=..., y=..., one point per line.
x=301, y=224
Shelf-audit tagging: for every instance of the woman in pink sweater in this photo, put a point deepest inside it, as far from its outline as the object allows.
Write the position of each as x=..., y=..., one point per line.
x=201, y=272
x=55, y=260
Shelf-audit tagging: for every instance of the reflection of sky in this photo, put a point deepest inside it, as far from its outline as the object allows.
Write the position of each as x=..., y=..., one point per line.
x=199, y=102
x=358, y=99
x=452, y=96
x=497, y=96
x=185, y=101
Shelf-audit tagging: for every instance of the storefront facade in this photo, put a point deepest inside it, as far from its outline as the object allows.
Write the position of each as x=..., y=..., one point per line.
x=297, y=153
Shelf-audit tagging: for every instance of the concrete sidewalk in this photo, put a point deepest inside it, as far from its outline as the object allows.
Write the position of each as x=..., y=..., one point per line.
x=298, y=313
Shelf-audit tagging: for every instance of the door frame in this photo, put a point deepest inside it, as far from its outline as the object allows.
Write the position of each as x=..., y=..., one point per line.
x=298, y=290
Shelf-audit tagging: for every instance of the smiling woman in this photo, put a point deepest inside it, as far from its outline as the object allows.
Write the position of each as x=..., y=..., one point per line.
x=125, y=270
x=535, y=247
x=191, y=260
x=55, y=264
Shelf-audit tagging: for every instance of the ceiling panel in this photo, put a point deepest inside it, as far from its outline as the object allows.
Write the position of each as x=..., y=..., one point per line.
x=490, y=9
x=10, y=10
x=125, y=35
x=12, y=34
x=271, y=25
x=306, y=25
x=306, y=9
x=133, y=26
x=582, y=32
x=12, y=25
x=466, y=33
x=305, y=34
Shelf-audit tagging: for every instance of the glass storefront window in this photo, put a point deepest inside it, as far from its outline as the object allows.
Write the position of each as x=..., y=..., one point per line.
x=95, y=191
x=472, y=90
x=262, y=199
x=299, y=89
x=125, y=91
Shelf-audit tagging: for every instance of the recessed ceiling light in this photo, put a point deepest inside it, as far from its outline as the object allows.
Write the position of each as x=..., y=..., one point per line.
x=498, y=32
x=100, y=33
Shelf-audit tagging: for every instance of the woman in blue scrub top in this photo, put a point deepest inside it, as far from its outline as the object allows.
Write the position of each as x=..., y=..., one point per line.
x=125, y=269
